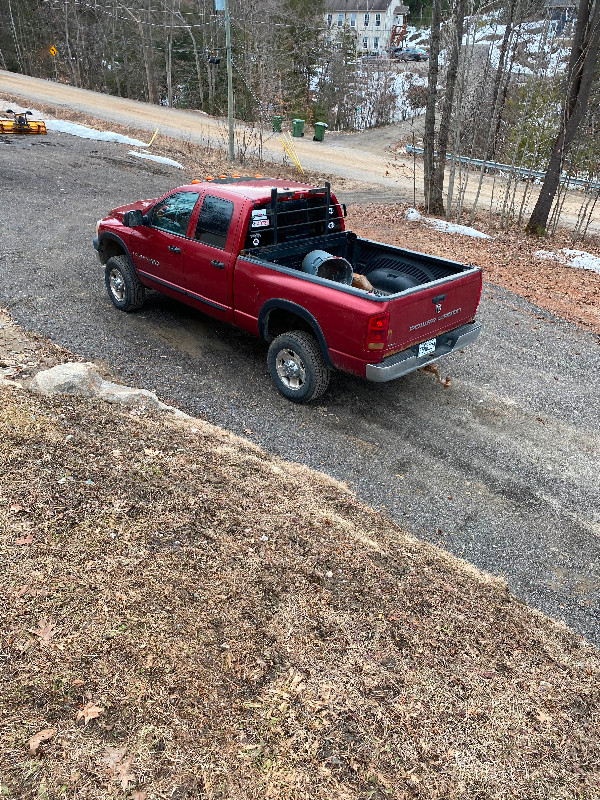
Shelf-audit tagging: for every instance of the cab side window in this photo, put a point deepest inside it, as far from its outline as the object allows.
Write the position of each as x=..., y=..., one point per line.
x=214, y=221
x=173, y=213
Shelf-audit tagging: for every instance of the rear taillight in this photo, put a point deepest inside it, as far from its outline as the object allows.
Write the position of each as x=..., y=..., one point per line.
x=377, y=332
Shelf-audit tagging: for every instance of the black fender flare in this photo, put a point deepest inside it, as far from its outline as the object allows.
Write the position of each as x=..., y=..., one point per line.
x=299, y=311
x=109, y=235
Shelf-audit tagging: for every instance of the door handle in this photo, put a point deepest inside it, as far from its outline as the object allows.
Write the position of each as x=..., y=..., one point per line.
x=174, y=249
x=217, y=264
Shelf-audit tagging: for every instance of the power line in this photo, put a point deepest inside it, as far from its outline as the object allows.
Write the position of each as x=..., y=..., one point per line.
x=139, y=10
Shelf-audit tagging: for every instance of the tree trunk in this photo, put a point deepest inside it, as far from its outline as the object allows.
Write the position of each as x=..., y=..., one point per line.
x=196, y=61
x=498, y=98
x=169, y=58
x=432, y=77
x=148, y=50
x=126, y=66
x=68, y=48
x=15, y=37
x=580, y=74
x=436, y=197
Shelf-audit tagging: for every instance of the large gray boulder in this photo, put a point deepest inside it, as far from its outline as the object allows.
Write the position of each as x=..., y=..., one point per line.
x=84, y=380
x=71, y=378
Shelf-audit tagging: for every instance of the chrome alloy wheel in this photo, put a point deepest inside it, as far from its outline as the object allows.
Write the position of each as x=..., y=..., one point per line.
x=117, y=284
x=290, y=369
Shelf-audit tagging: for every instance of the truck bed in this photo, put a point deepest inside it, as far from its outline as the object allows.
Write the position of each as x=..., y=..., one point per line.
x=391, y=270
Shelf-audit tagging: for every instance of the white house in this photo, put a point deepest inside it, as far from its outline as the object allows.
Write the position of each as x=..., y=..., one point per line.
x=376, y=24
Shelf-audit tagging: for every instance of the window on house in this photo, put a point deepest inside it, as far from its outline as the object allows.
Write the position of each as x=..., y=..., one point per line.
x=329, y=20
x=377, y=20
x=365, y=42
x=340, y=20
x=367, y=18
x=353, y=20
x=376, y=43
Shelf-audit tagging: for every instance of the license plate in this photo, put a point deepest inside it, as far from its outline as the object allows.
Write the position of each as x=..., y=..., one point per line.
x=425, y=348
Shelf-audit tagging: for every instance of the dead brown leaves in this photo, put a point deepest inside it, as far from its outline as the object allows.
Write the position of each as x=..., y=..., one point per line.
x=119, y=767
x=89, y=712
x=45, y=630
x=38, y=738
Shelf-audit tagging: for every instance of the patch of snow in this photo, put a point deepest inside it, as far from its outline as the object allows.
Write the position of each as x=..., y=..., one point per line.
x=62, y=126
x=412, y=215
x=158, y=159
x=571, y=258
x=20, y=109
x=451, y=227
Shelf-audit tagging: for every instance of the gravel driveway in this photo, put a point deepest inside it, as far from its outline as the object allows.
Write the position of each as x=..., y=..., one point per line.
x=502, y=468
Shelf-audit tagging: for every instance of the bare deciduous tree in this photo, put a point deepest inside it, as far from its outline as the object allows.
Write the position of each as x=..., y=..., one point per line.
x=578, y=86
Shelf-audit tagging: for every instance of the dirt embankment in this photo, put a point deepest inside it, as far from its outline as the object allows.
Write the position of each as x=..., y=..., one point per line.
x=186, y=616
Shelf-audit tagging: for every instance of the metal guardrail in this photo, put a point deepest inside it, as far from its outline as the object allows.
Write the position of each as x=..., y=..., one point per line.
x=524, y=173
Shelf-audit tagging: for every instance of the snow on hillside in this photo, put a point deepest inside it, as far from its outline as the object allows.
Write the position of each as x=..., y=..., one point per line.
x=572, y=258
x=539, y=45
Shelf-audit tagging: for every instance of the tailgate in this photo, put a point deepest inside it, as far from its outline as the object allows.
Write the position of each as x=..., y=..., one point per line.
x=424, y=312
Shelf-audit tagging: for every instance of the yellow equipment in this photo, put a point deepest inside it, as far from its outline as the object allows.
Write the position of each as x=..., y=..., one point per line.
x=20, y=123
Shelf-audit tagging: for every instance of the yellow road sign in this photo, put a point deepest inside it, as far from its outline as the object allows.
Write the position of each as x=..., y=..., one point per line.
x=53, y=51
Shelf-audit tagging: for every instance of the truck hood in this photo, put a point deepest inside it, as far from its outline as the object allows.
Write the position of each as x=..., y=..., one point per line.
x=142, y=205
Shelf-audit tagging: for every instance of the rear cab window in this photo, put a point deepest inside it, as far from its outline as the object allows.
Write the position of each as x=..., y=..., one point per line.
x=214, y=221
x=297, y=218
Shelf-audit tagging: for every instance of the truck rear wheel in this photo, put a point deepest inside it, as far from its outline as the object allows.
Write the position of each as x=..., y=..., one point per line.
x=123, y=285
x=297, y=366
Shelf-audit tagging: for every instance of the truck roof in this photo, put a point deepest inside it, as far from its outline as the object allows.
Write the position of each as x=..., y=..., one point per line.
x=256, y=189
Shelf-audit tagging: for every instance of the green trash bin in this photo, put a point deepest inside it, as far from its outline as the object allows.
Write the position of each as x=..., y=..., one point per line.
x=319, y=131
x=297, y=127
x=277, y=124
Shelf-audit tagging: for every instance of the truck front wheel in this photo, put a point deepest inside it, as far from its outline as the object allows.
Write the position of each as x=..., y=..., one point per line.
x=297, y=366
x=123, y=285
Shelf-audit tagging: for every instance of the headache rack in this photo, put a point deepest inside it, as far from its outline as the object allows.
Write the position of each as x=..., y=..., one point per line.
x=292, y=215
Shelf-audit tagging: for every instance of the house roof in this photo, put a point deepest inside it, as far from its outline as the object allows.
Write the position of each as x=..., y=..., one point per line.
x=558, y=4
x=345, y=6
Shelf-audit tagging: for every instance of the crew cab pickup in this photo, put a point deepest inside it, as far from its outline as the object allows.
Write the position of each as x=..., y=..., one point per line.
x=274, y=258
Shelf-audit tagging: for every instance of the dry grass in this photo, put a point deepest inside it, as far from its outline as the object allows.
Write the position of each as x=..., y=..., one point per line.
x=186, y=616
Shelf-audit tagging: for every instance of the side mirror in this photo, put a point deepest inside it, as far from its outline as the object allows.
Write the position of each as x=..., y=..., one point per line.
x=29, y=113
x=133, y=219
x=9, y=111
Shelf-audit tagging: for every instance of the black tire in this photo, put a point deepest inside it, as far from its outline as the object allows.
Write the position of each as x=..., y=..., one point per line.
x=297, y=367
x=123, y=285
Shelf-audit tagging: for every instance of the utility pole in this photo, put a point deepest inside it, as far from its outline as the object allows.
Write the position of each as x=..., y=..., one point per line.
x=229, y=80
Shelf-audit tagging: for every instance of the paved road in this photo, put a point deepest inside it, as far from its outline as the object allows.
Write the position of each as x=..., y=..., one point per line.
x=502, y=468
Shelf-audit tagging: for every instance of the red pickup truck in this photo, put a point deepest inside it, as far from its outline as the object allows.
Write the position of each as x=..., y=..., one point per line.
x=273, y=257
